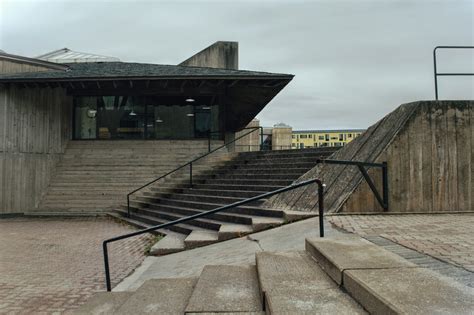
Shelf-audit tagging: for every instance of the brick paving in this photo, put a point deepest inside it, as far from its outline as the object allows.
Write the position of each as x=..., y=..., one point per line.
x=447, y=237
x=51, y=266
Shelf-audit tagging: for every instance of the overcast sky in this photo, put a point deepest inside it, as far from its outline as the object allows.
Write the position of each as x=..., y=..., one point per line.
x=354, y=61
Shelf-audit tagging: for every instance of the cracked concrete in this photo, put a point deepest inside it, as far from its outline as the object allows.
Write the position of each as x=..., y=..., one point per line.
x=240, y=251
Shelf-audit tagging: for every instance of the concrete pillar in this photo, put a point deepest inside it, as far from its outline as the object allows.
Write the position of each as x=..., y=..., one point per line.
x=281, y=137
x=250, y=142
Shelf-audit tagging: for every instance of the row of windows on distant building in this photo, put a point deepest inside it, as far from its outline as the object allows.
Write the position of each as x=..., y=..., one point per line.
x=323, y=138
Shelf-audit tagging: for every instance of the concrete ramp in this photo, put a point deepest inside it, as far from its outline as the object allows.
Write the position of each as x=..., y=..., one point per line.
x=429, y=149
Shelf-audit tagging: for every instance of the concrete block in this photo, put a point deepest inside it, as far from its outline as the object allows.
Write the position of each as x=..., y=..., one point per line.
x=171, y=243
x=408, y=291
x=103, y=303
x=160, y=296
x=338, y=255
x=226, y=289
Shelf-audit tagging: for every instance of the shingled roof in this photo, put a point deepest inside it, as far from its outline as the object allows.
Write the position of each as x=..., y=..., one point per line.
x=130, y=70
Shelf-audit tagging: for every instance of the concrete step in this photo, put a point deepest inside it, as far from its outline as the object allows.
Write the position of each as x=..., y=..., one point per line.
x=222, y=289
x=208, y=192
x=103, y=303
x=246, y=182
x=292, y=283
x=159, y=296
x=257, y=171
x=170, y=243
x=385, y=283
x=156, y=197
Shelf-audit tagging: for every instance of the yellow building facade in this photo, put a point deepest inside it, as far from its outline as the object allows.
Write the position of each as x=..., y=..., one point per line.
x=323, y=138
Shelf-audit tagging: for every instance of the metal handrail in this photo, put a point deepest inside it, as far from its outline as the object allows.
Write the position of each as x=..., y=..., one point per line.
x=202, y=214
x=436, y=74
x=190, y=163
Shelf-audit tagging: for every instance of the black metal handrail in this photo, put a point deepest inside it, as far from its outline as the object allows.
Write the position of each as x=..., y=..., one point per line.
x=436, y=74
x=202, y=214
x=190, y=164
x=382, y=200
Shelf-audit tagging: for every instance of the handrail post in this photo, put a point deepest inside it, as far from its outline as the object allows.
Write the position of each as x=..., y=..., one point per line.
x=208, y=141
x=261, y=138
x=435, y=73
x=321, y=208
x=106, y=263
x=128, y=205
x=191, y=174
x=385, y=185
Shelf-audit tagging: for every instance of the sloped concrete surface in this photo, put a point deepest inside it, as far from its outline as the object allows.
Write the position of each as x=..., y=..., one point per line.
x=337, y=255
x=408, y=291
x=226, y=289
x=103, y=303
x=161, y=296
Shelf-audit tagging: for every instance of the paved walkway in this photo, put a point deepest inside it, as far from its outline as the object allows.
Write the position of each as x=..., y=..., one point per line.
x=448, y=237
x=50, y=266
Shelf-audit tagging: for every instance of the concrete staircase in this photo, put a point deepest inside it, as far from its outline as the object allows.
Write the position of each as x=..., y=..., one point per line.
x=279, y=283
x=247, y=175
x=342, y=275
x=95, y=176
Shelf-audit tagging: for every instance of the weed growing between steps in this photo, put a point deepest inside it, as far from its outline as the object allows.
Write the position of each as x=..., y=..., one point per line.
x=153, y=241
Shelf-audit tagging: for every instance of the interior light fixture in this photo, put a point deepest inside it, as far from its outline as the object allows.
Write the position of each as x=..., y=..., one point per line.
x=206, y=107
x=190, y=115
x=159, y=120
x=132, y=113
x=190, y=100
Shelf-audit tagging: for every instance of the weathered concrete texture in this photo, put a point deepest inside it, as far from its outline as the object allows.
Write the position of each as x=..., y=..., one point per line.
x=281, y=138
x=223, y=55
x=408, y=291
x=35, y=128
x=298, y=301
x=226, y=289
x=171, y=243
x=103, y=303
x=292, y=283
x=428, y=146
x=161, y=296
x=336, y=256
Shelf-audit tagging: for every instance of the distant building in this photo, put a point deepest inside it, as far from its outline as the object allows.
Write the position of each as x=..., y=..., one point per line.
x=323, y=138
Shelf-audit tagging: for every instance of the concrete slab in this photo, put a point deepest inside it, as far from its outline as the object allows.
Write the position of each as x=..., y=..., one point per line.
x=171, y=243
x=103, y=303
x=300, y=301
x=226, y=289
x=408, y=291
x=160, y=296
x=338, y=255
x=200, y=238
x=290, y=270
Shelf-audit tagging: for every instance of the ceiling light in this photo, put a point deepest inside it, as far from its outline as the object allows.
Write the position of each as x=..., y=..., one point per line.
x=190, y=115
x=132, y=113
x=190, y=100
x=206, y=107
x=159, y=120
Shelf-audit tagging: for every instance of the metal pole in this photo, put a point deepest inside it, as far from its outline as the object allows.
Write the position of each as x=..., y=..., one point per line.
x=435, y=73
x=128, y=205
x=321, y=208
x=385, y=185
x=106, y=263
x=191, y=174
x=261, y=138
x=209, y=141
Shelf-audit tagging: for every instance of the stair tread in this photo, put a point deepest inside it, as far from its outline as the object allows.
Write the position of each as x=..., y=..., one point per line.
x=292, y=282
x=226, y=289
x=163, y=296
x=106, y=303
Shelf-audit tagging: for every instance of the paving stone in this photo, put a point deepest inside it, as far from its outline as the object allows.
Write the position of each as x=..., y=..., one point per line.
x=338, y=255
x=160, y=296
x=226, y=289
x=408, y=291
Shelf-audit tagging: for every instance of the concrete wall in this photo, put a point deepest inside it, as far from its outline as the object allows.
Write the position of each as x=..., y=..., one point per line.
x=429, y=147
x=223, y=55
x=35, y=127
x=251, y=142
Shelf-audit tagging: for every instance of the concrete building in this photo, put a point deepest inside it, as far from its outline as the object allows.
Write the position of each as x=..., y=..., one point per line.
x=64, y=97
